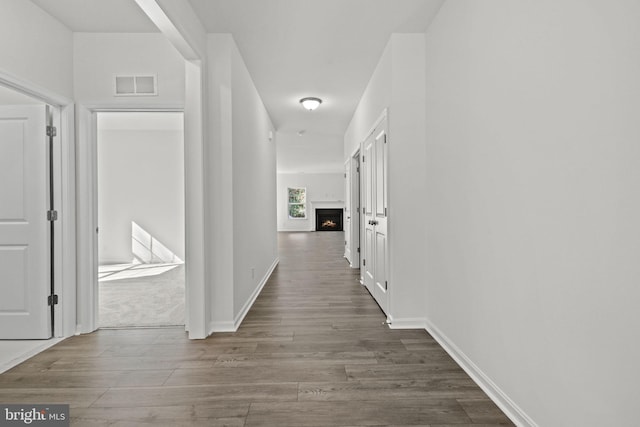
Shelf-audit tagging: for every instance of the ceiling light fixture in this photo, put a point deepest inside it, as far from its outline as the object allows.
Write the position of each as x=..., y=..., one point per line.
x=310, y=103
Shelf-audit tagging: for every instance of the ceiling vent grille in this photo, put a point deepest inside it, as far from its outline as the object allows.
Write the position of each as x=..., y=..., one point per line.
x=143, y=85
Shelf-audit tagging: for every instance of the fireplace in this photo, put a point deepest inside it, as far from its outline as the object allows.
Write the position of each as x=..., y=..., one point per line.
x=328, y=219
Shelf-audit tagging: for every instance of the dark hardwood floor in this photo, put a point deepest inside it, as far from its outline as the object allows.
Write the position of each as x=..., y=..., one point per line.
x=313, y=351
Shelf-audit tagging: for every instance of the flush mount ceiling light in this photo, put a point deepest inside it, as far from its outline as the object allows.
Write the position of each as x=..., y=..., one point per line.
x=310, y=103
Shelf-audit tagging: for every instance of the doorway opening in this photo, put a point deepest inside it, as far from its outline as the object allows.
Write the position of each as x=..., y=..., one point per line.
x=141, y=219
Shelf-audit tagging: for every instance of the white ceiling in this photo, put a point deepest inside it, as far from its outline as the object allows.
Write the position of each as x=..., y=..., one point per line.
x=322, y=48
x=99, y=16
x=292, y=48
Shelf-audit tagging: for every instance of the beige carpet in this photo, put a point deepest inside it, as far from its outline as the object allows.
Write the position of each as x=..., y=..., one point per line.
x=141, y=295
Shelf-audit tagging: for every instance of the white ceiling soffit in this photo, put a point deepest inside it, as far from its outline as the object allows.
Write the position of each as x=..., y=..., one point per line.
x=323, y=48
x=99, y=16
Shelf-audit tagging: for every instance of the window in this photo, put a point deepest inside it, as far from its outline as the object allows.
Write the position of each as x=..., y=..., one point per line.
x=297, y=203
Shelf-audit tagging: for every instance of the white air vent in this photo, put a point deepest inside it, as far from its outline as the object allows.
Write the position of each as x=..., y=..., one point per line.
x=136, y=85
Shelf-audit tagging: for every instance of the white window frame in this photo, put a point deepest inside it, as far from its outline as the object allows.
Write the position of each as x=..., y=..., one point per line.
x=289, y=203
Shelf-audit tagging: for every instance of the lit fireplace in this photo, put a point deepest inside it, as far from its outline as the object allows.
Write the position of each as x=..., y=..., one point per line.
x=328, y=219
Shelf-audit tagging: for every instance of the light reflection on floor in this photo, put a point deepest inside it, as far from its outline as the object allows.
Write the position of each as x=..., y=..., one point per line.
x=107, y=273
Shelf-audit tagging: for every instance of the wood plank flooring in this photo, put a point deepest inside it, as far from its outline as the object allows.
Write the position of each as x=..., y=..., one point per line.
x=313, y=351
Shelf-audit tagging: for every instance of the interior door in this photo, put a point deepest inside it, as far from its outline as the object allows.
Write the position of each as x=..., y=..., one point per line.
x=368, y=257
x=379, y=166
x=355, y=211
x=25, y=280
x=347, y=212
x=375, y=257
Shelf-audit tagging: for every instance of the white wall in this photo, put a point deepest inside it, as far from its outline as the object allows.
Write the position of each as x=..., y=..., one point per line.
x=140, y=179
x=532, y=188
x=376, y=97
x=36, y=48
x=321, y=187
x=241, y=184
x=398, y=85
x=309, y=153
x=99, y=57
x=254, y=185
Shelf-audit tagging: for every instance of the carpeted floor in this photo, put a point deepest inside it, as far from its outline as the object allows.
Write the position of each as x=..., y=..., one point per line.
x=141, y=295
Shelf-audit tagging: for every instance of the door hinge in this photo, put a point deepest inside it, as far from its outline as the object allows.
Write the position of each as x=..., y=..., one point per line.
x=362, y=159
x=52, y=215
x=358, y=250
x=364, y=262
x=52, y=299
x=345, y=243
x=358, y=169
x=385, y=211
x=345, y=175
x=52, y=131
x=385, y=138
x=386, y=285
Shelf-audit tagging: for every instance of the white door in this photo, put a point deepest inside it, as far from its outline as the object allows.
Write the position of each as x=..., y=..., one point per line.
x=355, y=211
x=25, y=280
x=375, y=258
x=347, y=212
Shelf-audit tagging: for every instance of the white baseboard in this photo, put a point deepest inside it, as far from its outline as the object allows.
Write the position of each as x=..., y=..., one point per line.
x=29, y=349
x=232, y=326
x=407, y=323
x=508, y=406
x=227, y=326
x=247, y=306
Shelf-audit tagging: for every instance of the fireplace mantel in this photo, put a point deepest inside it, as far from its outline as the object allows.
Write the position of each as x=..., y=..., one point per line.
x=319, y=204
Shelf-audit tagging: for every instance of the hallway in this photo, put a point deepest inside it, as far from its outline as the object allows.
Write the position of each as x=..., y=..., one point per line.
x=313, y=351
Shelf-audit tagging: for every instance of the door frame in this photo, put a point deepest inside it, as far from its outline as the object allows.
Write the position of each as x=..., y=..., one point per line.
x=355, y=202
x=64, y=251
x=88, y=309
x=383, y=116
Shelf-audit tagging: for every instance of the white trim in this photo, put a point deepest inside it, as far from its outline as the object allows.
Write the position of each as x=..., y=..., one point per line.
x=355, y=199
x=66, y=320
x=306, y=204
x=197, y=291
x=39, y=347
x=252, y=299
x=222, y=326
x=499, y=397
x=87, y=210
x=86, y=222
x=228, y=326
x=312, y=206
x=130, y=107
x=380, y=119
x=28, y=88
x=407, y=323
x=58, y=189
